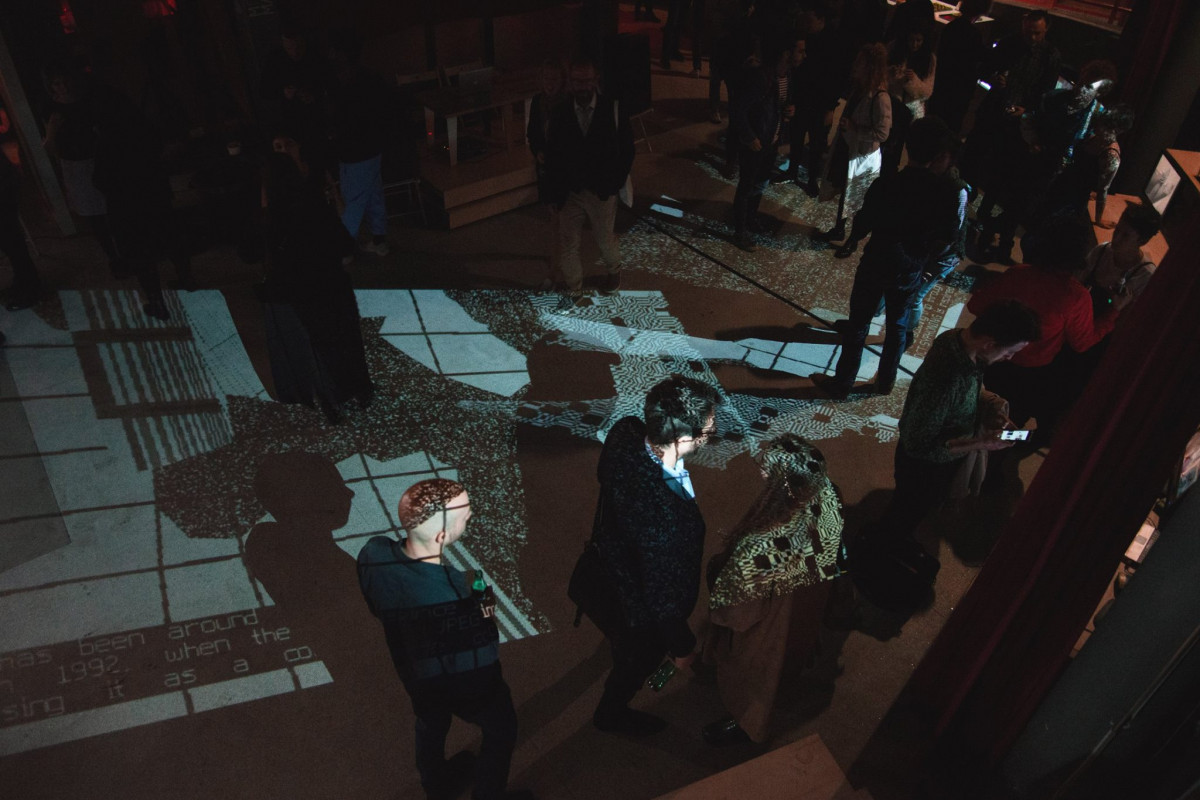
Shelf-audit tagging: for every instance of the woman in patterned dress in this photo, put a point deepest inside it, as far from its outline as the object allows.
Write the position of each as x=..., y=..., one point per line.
x=770, y=586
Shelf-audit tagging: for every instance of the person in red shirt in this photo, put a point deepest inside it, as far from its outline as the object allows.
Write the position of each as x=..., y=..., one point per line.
x=1049, y=284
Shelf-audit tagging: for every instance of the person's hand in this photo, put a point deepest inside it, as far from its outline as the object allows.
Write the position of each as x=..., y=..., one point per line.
x=990, y=440
x=828, y=120
x=1122, y=298
x=756, y=145
x=1015, y=111
x=683, y=662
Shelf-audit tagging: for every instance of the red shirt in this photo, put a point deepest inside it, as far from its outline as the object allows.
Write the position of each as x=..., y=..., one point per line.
x=1063, y=306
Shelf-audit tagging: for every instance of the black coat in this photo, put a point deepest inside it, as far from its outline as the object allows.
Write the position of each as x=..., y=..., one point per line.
x=598, y=162
x=650, y=536
x=755, y=111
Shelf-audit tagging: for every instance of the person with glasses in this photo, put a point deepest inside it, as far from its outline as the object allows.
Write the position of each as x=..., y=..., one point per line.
x=443, y=640
x=650, y=536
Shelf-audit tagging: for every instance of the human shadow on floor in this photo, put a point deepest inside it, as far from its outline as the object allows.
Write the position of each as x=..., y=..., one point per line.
x=313, y=582
x=549, y=704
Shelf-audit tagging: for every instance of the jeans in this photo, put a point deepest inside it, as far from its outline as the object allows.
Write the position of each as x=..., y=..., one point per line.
x=916, y=306
x=497, y=720
x=362, y=191
x=864, y=299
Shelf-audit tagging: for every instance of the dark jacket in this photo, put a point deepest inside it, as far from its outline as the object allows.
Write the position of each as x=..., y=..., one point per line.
x=912, y=216
x=651, y=537
x=755, y=114
x=598, y=162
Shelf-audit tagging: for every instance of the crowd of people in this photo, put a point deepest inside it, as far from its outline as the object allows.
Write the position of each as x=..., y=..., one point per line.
x=1036, y=153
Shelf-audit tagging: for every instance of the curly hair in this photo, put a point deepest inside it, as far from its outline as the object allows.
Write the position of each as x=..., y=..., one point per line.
x=795, y=471
x=874, y=61
x=424, y=499
x=678, y=407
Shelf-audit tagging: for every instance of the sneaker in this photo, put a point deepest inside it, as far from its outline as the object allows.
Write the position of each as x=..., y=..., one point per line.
x=829, y=386
x=611, y=283
x=627, y=720
x=377, y=248
x=569, y=300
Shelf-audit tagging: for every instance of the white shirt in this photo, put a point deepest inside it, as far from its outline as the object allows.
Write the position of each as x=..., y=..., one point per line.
x=677, y=473
x=585, y=113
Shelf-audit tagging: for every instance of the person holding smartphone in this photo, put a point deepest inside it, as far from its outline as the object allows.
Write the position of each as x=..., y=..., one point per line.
x=944, y=410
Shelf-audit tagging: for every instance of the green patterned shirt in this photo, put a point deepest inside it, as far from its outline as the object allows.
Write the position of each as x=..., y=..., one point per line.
x=943, y=400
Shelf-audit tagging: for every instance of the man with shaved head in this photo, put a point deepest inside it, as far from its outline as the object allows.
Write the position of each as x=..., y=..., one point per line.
x=443, y=640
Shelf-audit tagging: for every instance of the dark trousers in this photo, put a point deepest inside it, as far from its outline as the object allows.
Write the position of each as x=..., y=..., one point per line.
x=754, y=174
x=678, y=14
x=495, y=716
x=13, y=245
x=811, y=124
x=636, y=653
x=864, y=299
x=921, y=486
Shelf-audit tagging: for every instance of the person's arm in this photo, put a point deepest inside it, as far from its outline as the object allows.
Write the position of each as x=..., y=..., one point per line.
x=1081, y=328
x=1110, y=162
x=919, y=88
x=752, y=93
x=881, y=120
x=535, y=132
x=741, y=617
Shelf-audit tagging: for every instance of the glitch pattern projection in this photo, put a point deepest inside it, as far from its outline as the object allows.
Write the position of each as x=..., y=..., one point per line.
x=150, y=612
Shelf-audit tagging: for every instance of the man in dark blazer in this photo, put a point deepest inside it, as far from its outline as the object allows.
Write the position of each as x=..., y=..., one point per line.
x=650, y=535
x=587, y=161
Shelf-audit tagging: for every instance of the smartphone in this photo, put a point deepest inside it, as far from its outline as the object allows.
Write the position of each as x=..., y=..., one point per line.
x=1014, y=436
x=984, y=84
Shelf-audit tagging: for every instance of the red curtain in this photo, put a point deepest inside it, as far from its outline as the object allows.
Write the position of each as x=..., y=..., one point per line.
x=1005, y=644
x=1151, y=23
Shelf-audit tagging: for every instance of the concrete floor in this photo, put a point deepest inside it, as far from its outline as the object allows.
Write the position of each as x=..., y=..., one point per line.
x=139, y=658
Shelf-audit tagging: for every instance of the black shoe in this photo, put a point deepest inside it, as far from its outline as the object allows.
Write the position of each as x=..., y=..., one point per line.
x=627, y=720
x=846, y=250
x=457, y=774
x=156, y=309
x=884, y=387
x=611, y=283
x=19, y=301
x=829, y=386
x=811, y=188
x=724, y=731
x=835, y=234
x=744, y=242
x=842, y=326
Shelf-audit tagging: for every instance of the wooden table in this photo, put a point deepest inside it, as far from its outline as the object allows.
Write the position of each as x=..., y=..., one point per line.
x=452, y=104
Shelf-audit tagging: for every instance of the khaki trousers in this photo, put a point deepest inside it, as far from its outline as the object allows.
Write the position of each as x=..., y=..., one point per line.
x=602, y=216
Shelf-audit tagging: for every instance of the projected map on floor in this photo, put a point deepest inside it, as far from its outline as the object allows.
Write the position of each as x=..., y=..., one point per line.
x=153, y=436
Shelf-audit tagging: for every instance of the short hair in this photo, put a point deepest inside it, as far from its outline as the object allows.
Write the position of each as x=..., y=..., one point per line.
x=1061, y=245
x=1098, y=69
x=1144, y=219
x=778, y=43
x=1008, y=322
x=583, y=62
x=928, y=138
x=794, y=465
x=819, y=9
x=678, y=407
x=1035, y=16
x=424, y=499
